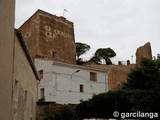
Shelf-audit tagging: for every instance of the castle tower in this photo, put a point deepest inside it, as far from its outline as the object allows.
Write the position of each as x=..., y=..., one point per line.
x=50, y=37
x=144, y=51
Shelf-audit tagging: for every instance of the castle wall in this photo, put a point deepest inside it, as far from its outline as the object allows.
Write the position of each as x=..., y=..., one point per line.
x=116, y=74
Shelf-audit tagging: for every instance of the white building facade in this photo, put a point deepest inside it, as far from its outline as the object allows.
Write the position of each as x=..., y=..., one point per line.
x=68, y=84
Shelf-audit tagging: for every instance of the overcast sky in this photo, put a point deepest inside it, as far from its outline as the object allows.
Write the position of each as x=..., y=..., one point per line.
x=123, y=25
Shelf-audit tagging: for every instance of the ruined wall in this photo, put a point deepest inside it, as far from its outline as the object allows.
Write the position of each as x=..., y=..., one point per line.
x=144, y=51
x=24, y=86
x=116, y=74
x=49, y=108
x=46, y=108
x=7, y=12
x=55, y=39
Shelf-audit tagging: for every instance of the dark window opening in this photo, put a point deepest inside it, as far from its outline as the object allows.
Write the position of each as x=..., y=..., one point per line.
x=47, y=33
x=40, y=74
x=16, y=89
x=81, y=88
x=25, y=97
x=41, y=93
x=93, y=76
x=54, y=55
x=27, y=34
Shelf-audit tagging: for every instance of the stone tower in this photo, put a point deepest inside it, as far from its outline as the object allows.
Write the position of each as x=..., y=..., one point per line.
x=50, y=37
x=144, y=51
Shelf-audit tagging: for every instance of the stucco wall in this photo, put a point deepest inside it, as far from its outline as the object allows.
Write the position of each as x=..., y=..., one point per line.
x=25, y=94
x=62, y=87
x=7, y=8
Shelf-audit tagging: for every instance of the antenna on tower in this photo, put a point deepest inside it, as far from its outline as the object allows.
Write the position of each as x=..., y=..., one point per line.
x=64, y=11
x=132, y=58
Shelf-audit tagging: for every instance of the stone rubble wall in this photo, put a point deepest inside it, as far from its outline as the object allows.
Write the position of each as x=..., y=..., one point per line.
x=50, y=37
x=144, y=51
x=116, y=74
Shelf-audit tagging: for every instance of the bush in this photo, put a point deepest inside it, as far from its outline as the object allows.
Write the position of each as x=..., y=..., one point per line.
x=104, y=104
x=64, y=113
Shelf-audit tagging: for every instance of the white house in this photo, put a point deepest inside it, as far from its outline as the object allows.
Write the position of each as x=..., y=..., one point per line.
x=67, y=83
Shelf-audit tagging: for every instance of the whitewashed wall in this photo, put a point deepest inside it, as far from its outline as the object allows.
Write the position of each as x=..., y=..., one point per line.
x=62, y=87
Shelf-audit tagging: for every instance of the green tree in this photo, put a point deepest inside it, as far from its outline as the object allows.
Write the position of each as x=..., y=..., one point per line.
x=103, y=105
x=141, y=92
x=144, y=77
x=106, y=54
x=81, y=48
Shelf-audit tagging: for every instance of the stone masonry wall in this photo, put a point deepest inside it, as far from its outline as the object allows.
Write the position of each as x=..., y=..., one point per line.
x=144, y=51
x=30, y=30
x=49, y=108
x=50, y=37
x=116, y=74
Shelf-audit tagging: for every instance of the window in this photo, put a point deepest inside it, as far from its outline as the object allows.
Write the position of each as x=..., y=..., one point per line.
x=48, y=34
x=40, y=74
x=54, y=55
x=25, y=96
x=16, y=89
x=41, y=93
x=27, y=34
x=93, y=76
x=81, y=88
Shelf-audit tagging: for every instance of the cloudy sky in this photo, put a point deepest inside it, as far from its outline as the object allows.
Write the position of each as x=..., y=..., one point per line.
x=123, y=25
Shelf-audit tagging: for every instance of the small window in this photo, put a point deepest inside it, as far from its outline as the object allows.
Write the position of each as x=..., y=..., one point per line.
x=16, y=89
x=40, y=74
x=52, y=35
x=27, y=34
x=41, y=93
x=81, y=88
x=48, y=34
x=54, y=55
x=93, y=76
